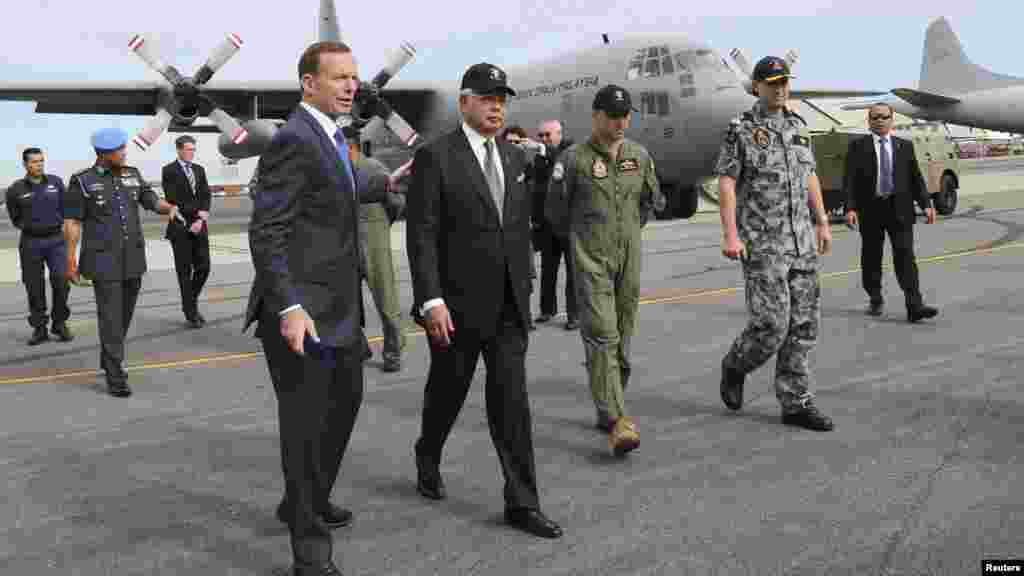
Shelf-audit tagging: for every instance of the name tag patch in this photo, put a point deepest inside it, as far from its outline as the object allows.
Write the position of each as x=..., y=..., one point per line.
x=628, y=165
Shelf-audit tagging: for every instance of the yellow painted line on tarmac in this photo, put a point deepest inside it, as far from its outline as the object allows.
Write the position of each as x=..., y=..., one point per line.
x=983, y=249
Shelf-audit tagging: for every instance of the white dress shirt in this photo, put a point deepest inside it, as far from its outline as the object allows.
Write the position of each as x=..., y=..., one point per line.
x=476, y=144
x=330, y=127
x=878, y=157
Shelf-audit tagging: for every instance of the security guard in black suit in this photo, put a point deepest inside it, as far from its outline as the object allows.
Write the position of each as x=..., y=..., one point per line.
x=36, y=207
x=101, y=207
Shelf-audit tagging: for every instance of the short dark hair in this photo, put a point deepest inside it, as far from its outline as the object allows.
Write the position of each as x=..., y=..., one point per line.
x=515, y=129
x=182, y=140
x=309, y=63
x=29, y=152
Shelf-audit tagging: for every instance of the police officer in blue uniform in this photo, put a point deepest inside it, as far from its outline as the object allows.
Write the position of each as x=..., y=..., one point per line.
x=36, y=207
x=102, y=208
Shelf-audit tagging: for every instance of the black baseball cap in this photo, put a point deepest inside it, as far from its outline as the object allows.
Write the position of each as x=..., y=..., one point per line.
x=484, y=79
x=771, y=69
x=614, y=101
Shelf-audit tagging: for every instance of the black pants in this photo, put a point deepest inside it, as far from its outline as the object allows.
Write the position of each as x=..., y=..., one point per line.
x=192, y=263
x=115, y=305
x=875, y=222
x=317, y=404
x=508, y=408
x=553, y=251
x=34, y=252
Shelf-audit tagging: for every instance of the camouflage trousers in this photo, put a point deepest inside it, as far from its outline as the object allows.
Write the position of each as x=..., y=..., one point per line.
x=784, y=302
x=607, y=298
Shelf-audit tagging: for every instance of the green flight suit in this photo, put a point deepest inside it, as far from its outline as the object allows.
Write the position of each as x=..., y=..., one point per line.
x=609, y=201
x=375, y=236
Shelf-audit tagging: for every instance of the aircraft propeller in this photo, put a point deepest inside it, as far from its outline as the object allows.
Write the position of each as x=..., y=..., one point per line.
x=369, y=103
x=182, y=101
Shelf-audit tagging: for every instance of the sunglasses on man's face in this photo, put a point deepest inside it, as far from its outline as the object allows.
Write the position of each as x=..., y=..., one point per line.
x=880, y=117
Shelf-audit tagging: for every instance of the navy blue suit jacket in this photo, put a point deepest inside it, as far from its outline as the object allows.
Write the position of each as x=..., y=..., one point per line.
x=304, y=235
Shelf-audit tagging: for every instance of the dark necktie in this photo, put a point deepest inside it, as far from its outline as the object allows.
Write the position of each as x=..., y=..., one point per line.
x=885, y=167
x=491, y=172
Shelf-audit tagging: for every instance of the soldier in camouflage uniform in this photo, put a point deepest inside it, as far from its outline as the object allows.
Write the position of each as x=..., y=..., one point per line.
x=768, y=192
x=610, y=188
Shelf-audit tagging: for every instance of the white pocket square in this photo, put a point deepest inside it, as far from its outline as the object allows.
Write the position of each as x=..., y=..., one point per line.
x=521, y=177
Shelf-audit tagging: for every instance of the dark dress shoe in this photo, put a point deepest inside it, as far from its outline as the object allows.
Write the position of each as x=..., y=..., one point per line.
x=334, y=517
x=572, y=324
x=118, y=388
x=428, y=478
x=391, y=365
x=731, y=387
x=62, y=332
x=544, y=318
x=328, y=569
x=922, y=312
x=808, y=417
x=194, y=323
x=533, y=522
x=875, y=308
x=38, y=336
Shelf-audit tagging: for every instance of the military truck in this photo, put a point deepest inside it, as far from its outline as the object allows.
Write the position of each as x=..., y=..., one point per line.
x=936, y=152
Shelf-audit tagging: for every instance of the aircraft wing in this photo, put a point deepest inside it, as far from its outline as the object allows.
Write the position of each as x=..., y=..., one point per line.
x=825, y=93
x=924, y=99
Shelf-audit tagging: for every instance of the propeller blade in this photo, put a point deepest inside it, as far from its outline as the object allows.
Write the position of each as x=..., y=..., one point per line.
x=228, y=48
x=153, y=129
x=399, y=58
x=402, y=129
x=791, y=57
x=228, y=125
x=740, y=58
x=145, y=51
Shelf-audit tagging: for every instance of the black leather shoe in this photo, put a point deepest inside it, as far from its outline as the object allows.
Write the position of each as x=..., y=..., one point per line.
x=533, y=522
x=731, y=387
x=544, y=318
x=118, y=388
x=193, y=322
x=572, y=324
x=808, y=417
x=334, y=517
x=875, y=308
x=38, y=336
x=62, y=332
x=921, y=312
x=391, y=365
x=328, y=569
x=428, y=478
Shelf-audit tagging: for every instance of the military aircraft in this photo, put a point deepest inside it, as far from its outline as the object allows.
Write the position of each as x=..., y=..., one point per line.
x=954, y=89
x=686, y=93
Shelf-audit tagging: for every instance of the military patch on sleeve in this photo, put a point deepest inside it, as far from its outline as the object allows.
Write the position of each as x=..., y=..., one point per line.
x=628, y=165
x=599, y=170
x=762, y=138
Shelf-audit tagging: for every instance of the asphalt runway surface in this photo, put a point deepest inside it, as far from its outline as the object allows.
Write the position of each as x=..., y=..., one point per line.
x=920, y=476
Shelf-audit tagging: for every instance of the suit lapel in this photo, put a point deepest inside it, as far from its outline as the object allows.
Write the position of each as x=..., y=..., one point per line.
x=476, y=173
x=329, y=148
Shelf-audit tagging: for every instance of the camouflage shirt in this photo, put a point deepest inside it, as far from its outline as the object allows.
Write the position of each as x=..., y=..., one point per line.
x=770, y=158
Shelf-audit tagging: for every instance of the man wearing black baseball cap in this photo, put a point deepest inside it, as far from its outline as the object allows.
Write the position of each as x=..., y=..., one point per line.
x=774, y=222
x=468, y=240
x=610, y=196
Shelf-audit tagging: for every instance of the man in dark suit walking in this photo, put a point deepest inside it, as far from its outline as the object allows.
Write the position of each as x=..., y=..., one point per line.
x=882, y=181
x=306, y=298
x=184, y=183
x=468, y=239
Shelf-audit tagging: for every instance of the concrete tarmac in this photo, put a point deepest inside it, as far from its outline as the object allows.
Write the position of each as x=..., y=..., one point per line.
x=920, y=475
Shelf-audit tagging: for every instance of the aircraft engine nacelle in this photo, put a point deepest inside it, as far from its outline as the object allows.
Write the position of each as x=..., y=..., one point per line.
x=260, y=133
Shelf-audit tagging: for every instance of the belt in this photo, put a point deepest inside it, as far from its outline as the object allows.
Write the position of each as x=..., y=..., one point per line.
x=42, y=233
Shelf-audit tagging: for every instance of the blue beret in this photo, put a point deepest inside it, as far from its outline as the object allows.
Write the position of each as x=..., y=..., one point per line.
x=109, y=139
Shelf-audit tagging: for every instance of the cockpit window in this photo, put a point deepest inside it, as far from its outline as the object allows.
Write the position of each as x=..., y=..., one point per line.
x=650, y=62
x=699, y=58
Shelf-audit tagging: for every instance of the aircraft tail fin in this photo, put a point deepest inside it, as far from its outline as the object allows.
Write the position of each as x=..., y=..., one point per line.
x=946, y=69
x=330, y=28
